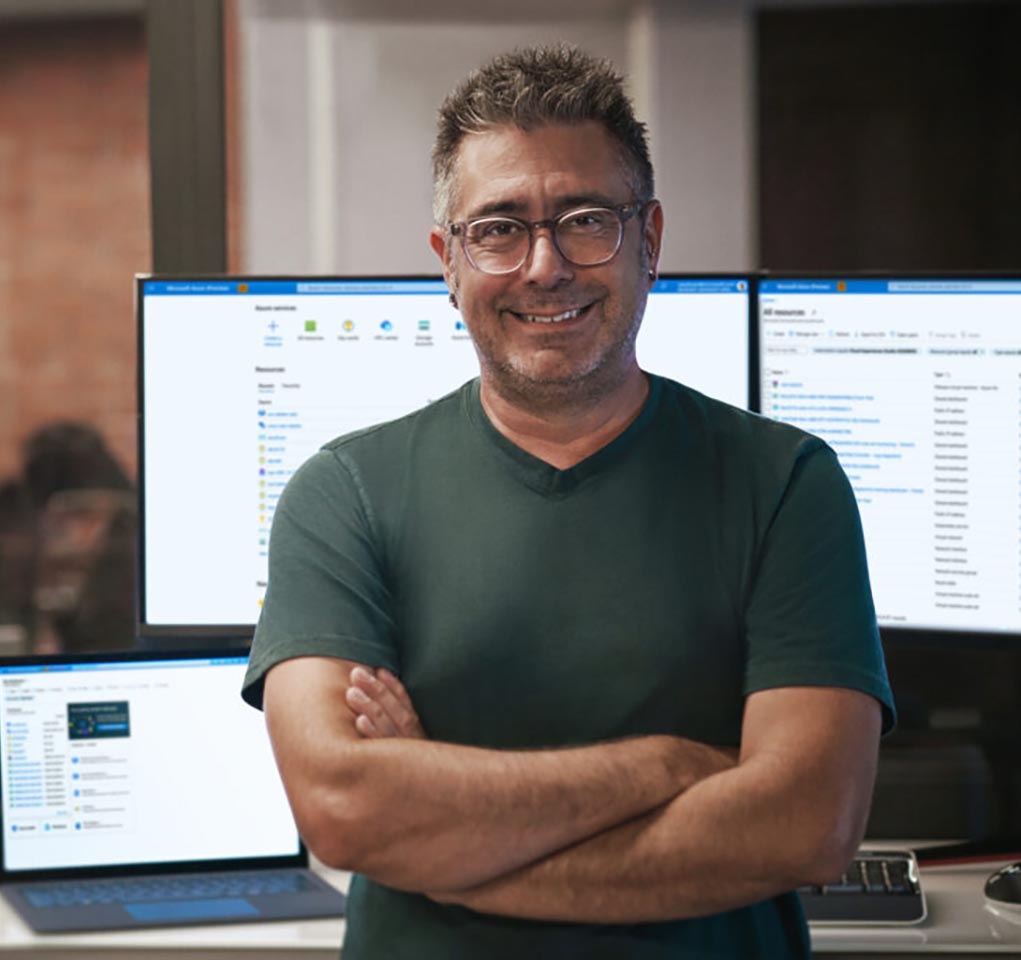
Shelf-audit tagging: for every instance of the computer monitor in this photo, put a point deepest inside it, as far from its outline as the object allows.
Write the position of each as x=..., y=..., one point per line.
x=242, y=378
x=915, y=381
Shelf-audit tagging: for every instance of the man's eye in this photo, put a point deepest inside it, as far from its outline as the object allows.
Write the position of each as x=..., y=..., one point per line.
x=587, y=220
x=494, y=230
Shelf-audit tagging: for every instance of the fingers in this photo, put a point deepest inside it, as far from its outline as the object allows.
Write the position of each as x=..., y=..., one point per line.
x=366, y=727
x=371, y=720
x=382, y=706
x=395, y=687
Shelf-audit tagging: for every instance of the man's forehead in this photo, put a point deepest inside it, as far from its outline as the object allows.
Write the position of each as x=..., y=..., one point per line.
x=507, y=169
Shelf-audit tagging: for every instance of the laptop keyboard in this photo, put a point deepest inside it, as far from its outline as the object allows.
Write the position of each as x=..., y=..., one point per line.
x=66, y=893
x=880, y=886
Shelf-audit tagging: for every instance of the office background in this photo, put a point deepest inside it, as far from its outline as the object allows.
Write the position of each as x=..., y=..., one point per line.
x=271, y=136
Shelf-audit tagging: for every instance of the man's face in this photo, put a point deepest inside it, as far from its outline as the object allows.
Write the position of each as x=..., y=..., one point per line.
x=550, y=332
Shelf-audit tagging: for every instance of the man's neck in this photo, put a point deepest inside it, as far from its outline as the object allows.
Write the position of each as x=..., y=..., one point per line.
x=568, y=433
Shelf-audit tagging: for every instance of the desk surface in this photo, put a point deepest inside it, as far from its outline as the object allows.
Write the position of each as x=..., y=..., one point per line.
x=959, y=922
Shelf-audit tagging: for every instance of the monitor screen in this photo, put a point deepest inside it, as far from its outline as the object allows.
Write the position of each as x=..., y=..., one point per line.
x=107, y=761
x=916, y=383
x=242, y=379
x=697, y=330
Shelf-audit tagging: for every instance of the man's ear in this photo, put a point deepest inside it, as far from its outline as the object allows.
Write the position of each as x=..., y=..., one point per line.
x=438, y=241
x=653, y=236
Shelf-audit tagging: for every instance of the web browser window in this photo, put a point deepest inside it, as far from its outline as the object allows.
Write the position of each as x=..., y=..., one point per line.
x=244, y=379
x=916, y=384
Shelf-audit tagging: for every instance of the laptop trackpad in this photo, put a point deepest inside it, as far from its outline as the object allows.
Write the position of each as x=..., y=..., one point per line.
x=209, y=908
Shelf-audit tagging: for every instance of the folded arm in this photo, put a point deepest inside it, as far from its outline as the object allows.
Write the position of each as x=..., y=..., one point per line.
x=791, y=812
x=420, y=815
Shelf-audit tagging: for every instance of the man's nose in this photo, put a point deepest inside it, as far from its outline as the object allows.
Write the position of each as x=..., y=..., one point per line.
x=546, y=265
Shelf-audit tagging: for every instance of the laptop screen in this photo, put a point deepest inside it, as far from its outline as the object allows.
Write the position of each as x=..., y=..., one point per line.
x=136, y=760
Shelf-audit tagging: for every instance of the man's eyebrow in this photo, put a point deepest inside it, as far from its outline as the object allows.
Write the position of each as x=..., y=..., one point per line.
x=509, y=207
x=575, y=200
x=516, y=208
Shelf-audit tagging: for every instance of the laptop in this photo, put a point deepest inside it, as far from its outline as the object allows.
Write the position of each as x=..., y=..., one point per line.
x=139, y=790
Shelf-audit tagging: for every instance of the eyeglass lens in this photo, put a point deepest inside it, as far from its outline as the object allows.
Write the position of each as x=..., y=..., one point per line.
x=583, y=237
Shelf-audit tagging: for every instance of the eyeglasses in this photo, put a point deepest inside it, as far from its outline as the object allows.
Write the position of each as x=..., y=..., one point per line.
x=586, y=237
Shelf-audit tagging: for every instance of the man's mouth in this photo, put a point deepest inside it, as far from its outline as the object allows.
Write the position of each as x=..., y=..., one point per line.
x=551, y=317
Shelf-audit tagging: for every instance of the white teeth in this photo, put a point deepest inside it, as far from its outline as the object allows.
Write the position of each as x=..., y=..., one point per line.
x=557, y=318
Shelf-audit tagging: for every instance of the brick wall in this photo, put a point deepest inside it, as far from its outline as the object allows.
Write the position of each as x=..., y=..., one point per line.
x=74, y=226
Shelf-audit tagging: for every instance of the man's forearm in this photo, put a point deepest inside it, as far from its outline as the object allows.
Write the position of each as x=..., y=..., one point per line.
x=434, y=816
x=689, y=857
x=426, y=816
x=770, y=824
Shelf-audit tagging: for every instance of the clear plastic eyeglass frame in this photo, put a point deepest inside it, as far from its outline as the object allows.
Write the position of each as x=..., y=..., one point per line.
x=584, y=237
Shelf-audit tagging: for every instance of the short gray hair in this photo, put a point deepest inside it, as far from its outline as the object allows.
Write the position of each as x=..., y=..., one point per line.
x=531, y=88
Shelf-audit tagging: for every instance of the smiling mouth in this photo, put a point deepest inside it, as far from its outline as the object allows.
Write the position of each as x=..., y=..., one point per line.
x=551, y=317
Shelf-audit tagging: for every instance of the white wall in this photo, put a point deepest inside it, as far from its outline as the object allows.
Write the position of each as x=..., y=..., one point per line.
x=701, y=116
x=340, y=101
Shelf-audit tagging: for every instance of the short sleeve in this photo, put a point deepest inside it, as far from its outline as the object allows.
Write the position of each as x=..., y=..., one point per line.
x=810, y=618
x=326, y=594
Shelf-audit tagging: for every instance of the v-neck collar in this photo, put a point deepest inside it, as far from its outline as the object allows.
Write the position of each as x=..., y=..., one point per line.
x=543, y=477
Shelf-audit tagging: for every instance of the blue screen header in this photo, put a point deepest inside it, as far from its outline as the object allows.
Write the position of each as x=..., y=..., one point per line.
x=703, y=285
x=291, y=288
x=889, y=286
x=208, y=288
x=121, y=665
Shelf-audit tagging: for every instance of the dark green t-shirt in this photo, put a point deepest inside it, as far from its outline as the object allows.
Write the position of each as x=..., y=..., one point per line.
x=704, y=554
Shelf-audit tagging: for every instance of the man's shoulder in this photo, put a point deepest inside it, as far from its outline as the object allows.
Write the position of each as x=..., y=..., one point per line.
x=440, y=416
x=722, y=425
x=378, y=456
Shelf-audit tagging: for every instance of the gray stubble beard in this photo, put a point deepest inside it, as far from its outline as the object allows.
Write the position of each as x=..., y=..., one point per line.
x=545, y=397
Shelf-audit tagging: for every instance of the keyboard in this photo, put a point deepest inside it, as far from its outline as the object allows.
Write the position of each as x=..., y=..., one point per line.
x=880, y=886
x=67, y=893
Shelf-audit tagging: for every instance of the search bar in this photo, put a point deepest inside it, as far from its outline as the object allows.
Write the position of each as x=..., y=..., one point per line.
x=955, y=286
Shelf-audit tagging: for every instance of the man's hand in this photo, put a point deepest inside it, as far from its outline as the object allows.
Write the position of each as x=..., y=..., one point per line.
x=381, y=706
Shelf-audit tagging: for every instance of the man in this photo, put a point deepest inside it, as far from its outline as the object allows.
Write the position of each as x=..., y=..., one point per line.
x=634, y=622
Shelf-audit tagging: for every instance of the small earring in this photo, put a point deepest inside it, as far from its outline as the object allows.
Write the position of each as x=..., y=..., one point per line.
x=652, y=274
